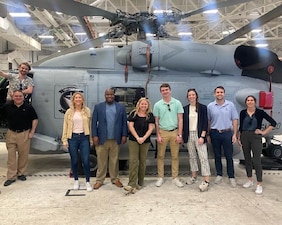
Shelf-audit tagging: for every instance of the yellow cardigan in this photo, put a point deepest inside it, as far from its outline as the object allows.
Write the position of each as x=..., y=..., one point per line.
x=68, y=124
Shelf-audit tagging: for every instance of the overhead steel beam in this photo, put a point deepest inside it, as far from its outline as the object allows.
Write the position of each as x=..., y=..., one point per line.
x=276, y=12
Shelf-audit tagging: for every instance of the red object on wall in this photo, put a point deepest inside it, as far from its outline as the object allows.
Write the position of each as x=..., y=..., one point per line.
x=266, y=100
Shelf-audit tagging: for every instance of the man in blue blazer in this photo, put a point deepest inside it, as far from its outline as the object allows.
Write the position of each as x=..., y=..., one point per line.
x=109, y=130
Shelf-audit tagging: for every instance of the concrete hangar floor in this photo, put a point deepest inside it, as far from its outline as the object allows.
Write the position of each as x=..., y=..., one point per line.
x=47, y=198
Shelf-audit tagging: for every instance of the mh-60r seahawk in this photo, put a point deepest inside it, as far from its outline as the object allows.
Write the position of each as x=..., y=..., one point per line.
x=138, y=69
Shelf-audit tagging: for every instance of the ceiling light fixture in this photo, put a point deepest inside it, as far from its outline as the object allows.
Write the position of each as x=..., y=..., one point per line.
x=256, y=30
x=46, y=36
x=19, y=14
x=80, y=33
x=263, y=45
x=212, y=11
x=185, y=33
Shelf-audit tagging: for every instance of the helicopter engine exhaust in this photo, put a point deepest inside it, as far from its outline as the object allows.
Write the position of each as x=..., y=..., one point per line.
x=258, y=63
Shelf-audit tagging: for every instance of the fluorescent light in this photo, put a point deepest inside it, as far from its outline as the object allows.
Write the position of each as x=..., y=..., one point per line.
x=15, y=14
x=212, y=11
x=59, y=13
x=46, y=36
x=256, y=30
x=149, y=35
x=261, y=45
x=80, y=33
x=161, y=11
x=185, y=33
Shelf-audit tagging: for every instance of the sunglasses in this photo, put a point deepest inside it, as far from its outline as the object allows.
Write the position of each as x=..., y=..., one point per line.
x=20, y=86
x=168, y=107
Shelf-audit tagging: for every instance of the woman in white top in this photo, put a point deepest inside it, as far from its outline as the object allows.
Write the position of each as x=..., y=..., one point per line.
x=76, y=136
x=195, y=126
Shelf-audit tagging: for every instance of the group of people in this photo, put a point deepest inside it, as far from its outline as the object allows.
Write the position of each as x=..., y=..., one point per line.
x=109, y=126
x=195, y=124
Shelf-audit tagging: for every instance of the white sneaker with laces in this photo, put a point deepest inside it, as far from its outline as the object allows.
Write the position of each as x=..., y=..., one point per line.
x=259, y=189
x=191, y=180
x=204, y=186
x=177, y=182
x=76, y=185
x=233, y=182
x=218, y=179
x=248, y=184
x=89, y=187
x=159, y=182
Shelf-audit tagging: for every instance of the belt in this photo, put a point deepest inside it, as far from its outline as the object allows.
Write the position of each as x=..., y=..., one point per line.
x=19, y=131
x=172, y=129
x=78, y=133
x=222, y=131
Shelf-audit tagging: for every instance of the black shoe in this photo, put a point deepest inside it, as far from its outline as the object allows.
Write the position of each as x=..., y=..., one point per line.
x=22, y=177
x=9, y=182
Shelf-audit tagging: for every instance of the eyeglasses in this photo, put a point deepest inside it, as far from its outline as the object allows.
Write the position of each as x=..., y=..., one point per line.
x=21, y=86
x=168, y=107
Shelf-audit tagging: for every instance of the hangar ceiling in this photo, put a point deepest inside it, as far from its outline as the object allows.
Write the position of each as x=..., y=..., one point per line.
x=205, y=28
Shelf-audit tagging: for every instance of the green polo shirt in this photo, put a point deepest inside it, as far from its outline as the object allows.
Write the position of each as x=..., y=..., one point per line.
x=168, y=113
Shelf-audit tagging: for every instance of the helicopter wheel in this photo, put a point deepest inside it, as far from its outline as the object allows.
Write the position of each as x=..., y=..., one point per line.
x=277, y=152
x=93, y=165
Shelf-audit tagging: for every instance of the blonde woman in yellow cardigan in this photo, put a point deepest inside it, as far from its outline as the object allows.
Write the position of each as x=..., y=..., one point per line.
x=76, y=136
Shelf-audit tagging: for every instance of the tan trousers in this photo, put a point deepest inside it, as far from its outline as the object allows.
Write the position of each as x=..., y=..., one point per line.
x=107, y=153
x=168, y=137
x=17, y=142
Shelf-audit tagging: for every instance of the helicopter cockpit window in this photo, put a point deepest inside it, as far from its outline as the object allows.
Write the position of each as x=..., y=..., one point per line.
x=128, y=96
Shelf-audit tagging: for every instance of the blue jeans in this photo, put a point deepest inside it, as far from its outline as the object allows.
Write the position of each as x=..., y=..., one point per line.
x=81, y=142
x=219, y=141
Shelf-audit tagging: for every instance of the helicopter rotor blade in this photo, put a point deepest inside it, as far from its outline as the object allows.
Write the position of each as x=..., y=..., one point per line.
x=214, y=6
x=69, y=7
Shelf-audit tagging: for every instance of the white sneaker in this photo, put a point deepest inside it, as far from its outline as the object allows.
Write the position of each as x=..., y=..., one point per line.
x=76, y=185
x=139, y=187
x=218, y=179
x=191, y=180
x=248, y=184
x=88, y=187
x=204, y=186
x=177, y=182
x=233, y=182
x=159, y=182
x=259, y=189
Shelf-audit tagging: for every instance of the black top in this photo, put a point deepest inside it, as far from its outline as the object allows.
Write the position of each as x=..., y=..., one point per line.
x=19, y=118
x=254, y=122
x=141, y=125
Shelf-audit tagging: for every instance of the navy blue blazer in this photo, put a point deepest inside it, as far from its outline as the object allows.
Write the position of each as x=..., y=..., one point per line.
x=202, y=121
x=99, y=122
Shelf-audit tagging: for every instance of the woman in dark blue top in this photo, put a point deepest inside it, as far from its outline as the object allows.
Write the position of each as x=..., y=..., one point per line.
x=251, y=139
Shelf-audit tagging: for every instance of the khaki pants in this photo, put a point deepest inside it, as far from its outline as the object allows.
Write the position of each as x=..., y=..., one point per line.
x=168, y=137
x=108, y=152
x=17, y=142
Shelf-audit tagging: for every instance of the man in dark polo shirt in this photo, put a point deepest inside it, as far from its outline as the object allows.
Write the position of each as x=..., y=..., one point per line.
x=22, y=121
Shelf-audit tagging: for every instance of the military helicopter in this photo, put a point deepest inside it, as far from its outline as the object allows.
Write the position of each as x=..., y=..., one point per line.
x=138, y=69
